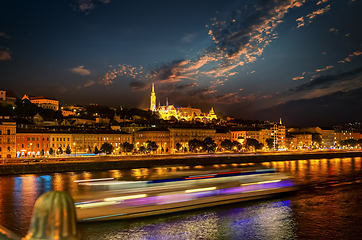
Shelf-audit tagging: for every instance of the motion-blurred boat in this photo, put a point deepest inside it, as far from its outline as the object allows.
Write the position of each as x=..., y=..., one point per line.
x=129, y=199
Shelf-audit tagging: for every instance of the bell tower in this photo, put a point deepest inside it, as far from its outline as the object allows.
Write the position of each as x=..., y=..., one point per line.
x=153, y=98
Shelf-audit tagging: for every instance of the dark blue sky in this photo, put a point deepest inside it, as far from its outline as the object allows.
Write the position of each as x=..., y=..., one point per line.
x=261, y=59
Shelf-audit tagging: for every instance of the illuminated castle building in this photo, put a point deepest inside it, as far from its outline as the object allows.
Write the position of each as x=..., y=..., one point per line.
x=169, y=112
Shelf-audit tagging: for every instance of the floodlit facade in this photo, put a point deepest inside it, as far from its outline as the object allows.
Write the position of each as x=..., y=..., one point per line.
x=7, y=137
x=168, y=112
x=85, y=140
x=184, y=135
x=44, y=102
x=7, y=97
x=160, y=136
x=31, y=142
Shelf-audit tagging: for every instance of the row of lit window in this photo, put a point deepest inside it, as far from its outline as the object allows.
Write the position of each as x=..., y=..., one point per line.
x=8, y=140
x=33, y=139
x=5, y=132
x=32, y=146
x=8, y=149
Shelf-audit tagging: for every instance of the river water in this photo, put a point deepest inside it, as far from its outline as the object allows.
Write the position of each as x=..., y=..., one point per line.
x=327, y=205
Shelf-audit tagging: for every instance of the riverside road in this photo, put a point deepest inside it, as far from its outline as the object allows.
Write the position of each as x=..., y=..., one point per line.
x=327, y=205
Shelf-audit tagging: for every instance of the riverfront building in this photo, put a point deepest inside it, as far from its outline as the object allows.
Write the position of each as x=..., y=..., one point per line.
x=43, y=102
x=7, y=137
x=32, y=142
x=7, y=97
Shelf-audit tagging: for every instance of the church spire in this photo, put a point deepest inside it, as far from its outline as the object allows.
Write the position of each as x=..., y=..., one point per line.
x=153, y=98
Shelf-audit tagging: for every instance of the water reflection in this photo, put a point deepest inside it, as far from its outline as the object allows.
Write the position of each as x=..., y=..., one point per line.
x=19, y=193
x=271, y=220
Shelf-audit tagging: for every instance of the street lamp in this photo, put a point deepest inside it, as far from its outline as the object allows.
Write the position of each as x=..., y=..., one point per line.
x=75, y=149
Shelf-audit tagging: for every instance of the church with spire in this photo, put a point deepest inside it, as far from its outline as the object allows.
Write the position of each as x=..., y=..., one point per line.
x=169, y=112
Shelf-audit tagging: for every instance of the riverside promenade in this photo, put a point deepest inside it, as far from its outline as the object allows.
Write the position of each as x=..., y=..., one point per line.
x=101, y=163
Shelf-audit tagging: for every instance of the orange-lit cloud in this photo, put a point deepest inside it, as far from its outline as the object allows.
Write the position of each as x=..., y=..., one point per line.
x=349, y=58
x=80, y=70
x=86, y=5
x=324, y=69
x=238, y=39
x=302, y=20
x=89, y=83
x=298, y=78
x=4, y=35
x=321, y=1
x=5, y=55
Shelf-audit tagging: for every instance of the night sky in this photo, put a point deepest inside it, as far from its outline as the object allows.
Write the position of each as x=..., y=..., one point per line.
x=299, y=60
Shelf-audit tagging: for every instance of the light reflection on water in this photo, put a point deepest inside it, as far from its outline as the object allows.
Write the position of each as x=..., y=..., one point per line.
x=319, y=198
x=271, y=220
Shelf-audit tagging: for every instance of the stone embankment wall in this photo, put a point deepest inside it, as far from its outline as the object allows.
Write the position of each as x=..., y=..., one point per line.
x=109, y=163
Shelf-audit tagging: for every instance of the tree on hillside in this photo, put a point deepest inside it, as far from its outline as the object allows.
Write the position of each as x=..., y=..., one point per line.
x=209, y=144
x=237, y=146
x=106, y=148
x=270, y=143
x=96, y=151
x=194, y=144
x=151, y=146
x=250, y=142
x=227, y=144
x=127, y=147
x=60, y=150
x=316, y=139
x=178, y=146
x=67, y=150
x=142, y=149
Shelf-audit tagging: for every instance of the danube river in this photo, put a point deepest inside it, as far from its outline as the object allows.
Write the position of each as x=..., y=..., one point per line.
x=327, y=205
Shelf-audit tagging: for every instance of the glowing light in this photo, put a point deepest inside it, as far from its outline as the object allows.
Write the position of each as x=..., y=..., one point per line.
x=97, y=204
x=272, y=181
x=126, y=197
x=93, y=180
x=200, y=189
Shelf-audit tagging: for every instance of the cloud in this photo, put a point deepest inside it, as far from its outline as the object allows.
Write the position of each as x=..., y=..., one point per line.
x=137, y=85
x=329, y=81
x=173, y=72
x=239, y=37
x=184, y=86
x=349, y=58
x=189, y=37
x=324, y=69
x=5, y=55
x=80, y=70
x=328, y=110
x=4, y=35
x=302, y=20
x=297, y=78
x=321, y=1
x=86, y=5
x=89, y=83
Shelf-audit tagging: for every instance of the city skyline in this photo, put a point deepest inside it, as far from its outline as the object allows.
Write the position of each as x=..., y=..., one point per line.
x=291, y=59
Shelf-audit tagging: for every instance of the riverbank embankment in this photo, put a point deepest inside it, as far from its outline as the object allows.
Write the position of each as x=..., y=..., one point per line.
x=111, y=163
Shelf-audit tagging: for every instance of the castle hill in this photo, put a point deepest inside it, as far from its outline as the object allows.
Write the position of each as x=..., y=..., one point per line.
x=39, y=131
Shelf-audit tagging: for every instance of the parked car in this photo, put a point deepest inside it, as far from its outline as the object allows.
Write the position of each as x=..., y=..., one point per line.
x=61, y=159
x=36, y=160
